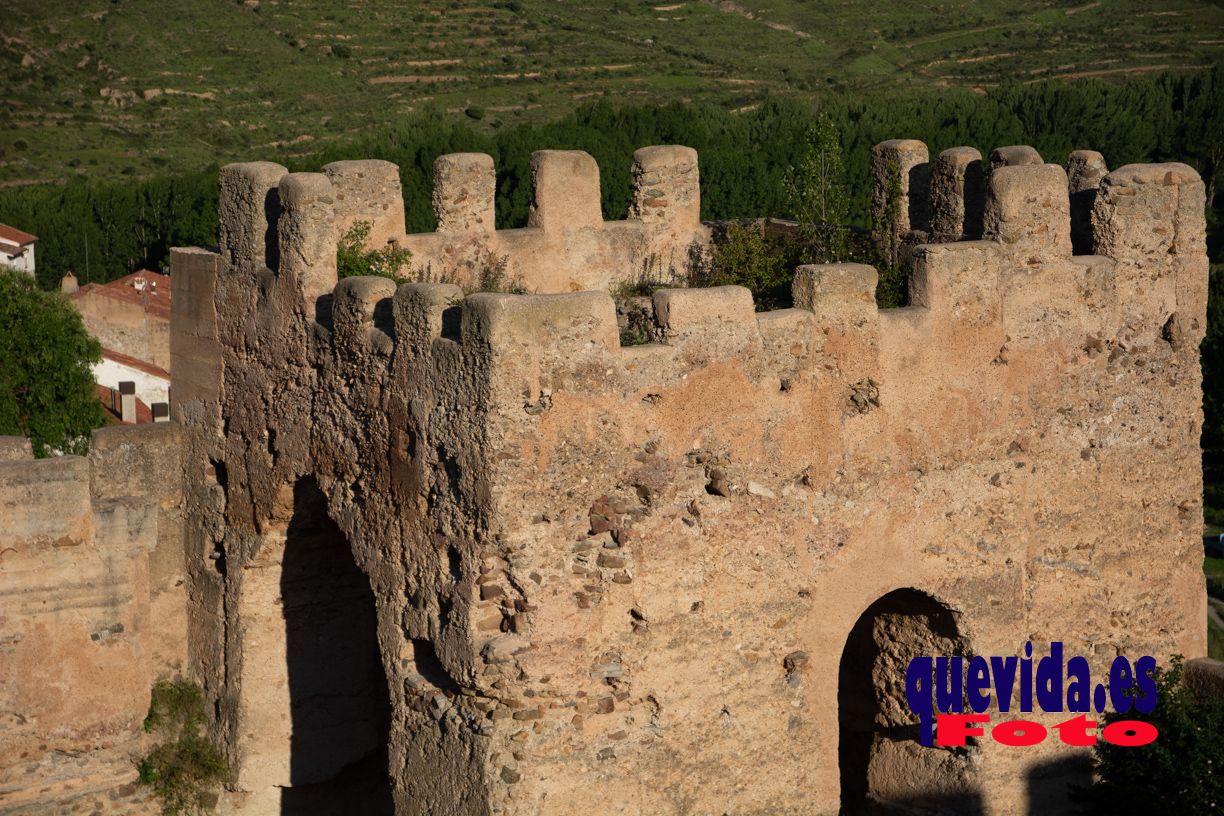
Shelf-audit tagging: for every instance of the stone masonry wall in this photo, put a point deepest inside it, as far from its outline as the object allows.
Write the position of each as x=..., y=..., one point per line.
x=91, y=612
x=620, y=580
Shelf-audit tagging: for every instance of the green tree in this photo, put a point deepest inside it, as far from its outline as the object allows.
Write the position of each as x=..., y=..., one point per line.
x=47, y=389
x=816, y=193
x=1179, y=772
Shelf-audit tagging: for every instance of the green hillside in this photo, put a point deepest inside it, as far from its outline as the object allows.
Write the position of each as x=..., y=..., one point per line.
x=129, y=87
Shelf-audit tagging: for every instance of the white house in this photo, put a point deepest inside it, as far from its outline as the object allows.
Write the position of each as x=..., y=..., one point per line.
x=17, y=249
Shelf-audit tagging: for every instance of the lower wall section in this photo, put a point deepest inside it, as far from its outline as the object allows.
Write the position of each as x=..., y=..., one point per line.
x=92, y=611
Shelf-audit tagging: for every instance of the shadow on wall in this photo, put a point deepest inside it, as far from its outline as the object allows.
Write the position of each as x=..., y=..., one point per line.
x=884, y=768
x=1052, y=783
x=340, y=706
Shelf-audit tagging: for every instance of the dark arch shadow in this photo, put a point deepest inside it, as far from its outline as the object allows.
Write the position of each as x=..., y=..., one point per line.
x=884, y=769
x=340, y=707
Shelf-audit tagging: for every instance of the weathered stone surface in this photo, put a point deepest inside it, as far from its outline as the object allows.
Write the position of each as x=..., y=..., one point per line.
x=1028, y=209
x=958, y=194
x=478, y=554
x=92, y=610
x=909, y=160
x=1085, y=171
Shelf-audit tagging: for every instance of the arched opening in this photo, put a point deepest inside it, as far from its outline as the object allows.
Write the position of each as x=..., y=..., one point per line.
x=884, y=768
x=316, y=709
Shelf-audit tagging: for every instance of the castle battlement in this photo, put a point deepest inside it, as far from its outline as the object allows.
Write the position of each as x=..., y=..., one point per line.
x=566, y=245
x=573, y=562
x=1019, y=285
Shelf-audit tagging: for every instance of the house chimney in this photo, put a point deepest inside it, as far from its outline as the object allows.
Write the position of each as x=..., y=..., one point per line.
x=161, y=411
x=127, y=402
x=68, y=284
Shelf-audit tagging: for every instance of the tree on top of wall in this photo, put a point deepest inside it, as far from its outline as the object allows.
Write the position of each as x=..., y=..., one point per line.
x=47, y=389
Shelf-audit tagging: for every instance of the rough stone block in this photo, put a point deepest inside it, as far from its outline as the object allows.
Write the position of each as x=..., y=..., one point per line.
x=566, y=190
x=307, y=233
x=249, y=209
x=666, y=185
x=911, y=160
x=358, y=305
x=958, y=282
x=368, y=190
x=1085, y=171
x=464, y=193
x=1013, y=156
x=838, y=294
x=719, y=320
x=1028, y=209
x=15, y=449
x=958, y=194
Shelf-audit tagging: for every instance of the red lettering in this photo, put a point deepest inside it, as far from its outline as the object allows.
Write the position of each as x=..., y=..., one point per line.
x=1129, y=733
x=952, y=729
x=1075, y=731
x=1018, y=733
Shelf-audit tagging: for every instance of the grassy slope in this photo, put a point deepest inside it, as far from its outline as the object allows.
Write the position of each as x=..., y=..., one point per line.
x=236, y=78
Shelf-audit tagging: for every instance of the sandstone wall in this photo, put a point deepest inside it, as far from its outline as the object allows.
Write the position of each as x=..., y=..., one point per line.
x=621, y=580
x=91, y=613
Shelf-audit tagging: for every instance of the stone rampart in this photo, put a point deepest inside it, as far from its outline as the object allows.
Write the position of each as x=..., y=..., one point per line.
x=605, y=579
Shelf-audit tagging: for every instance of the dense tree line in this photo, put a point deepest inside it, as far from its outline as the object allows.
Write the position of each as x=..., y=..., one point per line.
x=103, y=230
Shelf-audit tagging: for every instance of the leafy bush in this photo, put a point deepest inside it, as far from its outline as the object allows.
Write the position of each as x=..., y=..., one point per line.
x=353, y=259
x=47, y=388
x=745, y=256
x=1179, y=772
x=185, y=767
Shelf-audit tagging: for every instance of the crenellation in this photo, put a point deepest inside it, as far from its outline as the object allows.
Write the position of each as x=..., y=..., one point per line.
x=910, y=159
x=464, y=193
x=838, y=295
x=1028, y=209
x=710, y=323
x=1014, y=156
x=1086, y=170
x=425, y=312
x=565, y=191
x=361, y=315
x=578, y=561
x=958, y=195
x=959, y=282
x=249, y=210
x=1150, y=218
x=368, y=190
x=307, y=234
x=666, y=186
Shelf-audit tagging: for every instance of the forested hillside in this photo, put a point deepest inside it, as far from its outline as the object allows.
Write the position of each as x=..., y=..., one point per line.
x=131, y=223
x=115, y=88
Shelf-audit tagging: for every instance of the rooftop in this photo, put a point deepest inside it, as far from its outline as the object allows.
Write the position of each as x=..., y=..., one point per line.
x=12, y=235
x=146, y=288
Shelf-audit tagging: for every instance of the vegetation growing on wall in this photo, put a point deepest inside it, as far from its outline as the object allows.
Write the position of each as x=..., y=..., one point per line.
x=185, y=768
x=354, y=258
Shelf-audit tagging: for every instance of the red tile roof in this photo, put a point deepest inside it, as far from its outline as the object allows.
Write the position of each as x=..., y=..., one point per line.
x=155, y=296
x=136, y=363
x=15, y=236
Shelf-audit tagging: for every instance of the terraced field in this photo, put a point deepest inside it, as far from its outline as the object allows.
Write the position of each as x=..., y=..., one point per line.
x=129, y=87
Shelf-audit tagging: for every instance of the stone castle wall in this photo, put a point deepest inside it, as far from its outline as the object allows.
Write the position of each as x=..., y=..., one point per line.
x=92, y=611
x=566, y=245
x=609, y=580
